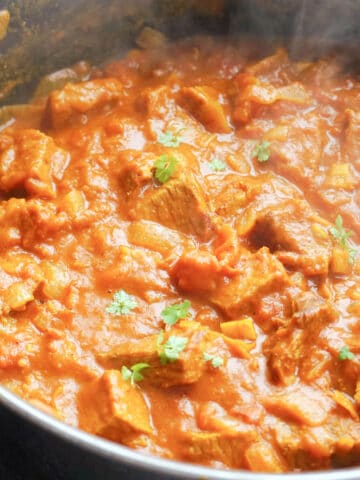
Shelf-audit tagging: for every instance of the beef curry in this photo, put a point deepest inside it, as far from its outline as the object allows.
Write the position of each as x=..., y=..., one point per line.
x=178, y=261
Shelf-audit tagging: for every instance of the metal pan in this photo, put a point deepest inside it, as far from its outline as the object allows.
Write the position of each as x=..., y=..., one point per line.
x=44, y=36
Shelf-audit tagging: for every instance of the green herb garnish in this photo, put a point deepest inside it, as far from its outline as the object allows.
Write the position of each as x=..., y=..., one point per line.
x=261, y=151
x=122, y=303
x=216, y=362
x=169, y=139
x=134, y=373
x=345, y=354
x=173, y=313
x=170, y=351
x=165, y=167
x=341, y=235
x=217, y=165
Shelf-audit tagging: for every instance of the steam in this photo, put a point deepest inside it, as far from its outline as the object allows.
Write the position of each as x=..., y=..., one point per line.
x=307, y=27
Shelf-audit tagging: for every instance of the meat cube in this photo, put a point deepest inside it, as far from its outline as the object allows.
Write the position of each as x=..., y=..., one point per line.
x=113, y=408
x=179, y=204
x=284, y=350
x=136, y=170
x=313, y=312
x=254, y=93
x=154, y=101
x=203, y=103
x=136, y=268
x=232, y=194
x=262, y=457
x=306, y=406
x=287, y=230
x=317, y=445
x=351, y=145
x=259, y=274
x=31, y=161
x=298, y=157
x=75, y=99
x=187, y=369
x=228, y=448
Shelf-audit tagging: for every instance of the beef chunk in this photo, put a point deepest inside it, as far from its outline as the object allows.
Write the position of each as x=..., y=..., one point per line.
x=203, y=104
x=298, y=157
x=351, y=146
x=113, y=408
x=307, y=406
x=259, y=274
x=288, y=230
x=30, y=161
x=75, y=99
x=318, y=446
x=254, y=94
x=262, y=457
x=179, y=204
x=136, y=170
x=187, y=369
x=227, y=448
x=313, y=312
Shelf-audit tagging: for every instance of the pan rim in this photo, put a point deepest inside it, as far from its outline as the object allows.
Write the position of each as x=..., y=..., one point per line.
x=130, y=458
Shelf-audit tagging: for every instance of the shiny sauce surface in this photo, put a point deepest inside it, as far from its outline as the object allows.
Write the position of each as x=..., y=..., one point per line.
x=178, y=255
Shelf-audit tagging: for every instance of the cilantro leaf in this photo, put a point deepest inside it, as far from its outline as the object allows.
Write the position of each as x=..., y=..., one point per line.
x=160, y=338
x=217, y=165
x=216, y=362
x=173, y=313
x=341, y=235
x=169, y=139
x=165, y=167
x=261, y=151
x=122, y=303
x=345, y=354
x=126, y=373
x=170, y=351
x=339, y=232
x=134, y=373
x=352, y=255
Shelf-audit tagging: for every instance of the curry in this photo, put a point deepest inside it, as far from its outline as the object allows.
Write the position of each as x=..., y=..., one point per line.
x=179, y=266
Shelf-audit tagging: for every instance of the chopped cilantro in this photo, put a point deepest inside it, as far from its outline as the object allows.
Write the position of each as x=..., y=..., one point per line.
x=122, y=303
x=169, y=139
x=160, y=338
x=216, y=362
x=345, y=354
x=173, y=313
x=170, y=351
x=261, y=151
x=217, y=165
x=352, y=255
x=134, y=373
x=339, y=232
x=165, y=167
x=341, y=235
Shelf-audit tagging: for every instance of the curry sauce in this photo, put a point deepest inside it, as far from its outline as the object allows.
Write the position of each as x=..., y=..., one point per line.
x=179, y=265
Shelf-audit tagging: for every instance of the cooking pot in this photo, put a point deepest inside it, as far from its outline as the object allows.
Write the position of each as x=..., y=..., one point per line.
x=45, y=35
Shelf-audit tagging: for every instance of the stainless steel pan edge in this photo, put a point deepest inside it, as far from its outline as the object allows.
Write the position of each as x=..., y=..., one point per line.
x=146, y=466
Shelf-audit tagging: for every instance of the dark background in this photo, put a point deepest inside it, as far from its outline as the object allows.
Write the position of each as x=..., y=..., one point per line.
x=16, y=462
